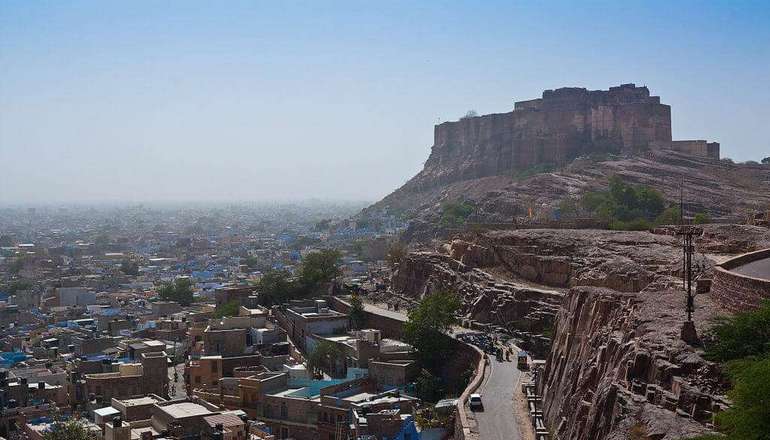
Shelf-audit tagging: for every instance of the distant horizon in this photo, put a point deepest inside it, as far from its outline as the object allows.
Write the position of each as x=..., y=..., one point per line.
x=184, y=203
x=189, y=101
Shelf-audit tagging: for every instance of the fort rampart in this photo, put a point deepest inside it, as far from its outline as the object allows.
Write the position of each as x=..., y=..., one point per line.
x=737, y=292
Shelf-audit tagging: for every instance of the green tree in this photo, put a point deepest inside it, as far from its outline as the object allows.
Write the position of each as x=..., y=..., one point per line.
x=251, y=261
x=427, y=324
x=129, y=267
x=625, y=206
x=323, y=225
x=741, y=335
x=742, y=343
x=275, y=287
x=357, y=314
x=749, y=416
x=429, y=387
x=319, y=267
x=671, y=216
x=701, y=218
x=16, y=286
x=455, y=214
x=766, y=161
x=325, y=357
x=230, y=308
x=180, y=291
x=69, y=430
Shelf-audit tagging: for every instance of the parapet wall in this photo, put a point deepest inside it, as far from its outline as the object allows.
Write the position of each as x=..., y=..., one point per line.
x=737, y=292
x=697, y=148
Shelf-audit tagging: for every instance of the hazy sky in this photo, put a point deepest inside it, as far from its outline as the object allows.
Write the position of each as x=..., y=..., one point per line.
x=188, y=100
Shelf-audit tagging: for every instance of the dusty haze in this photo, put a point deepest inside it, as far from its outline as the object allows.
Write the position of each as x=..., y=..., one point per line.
x=188, y=101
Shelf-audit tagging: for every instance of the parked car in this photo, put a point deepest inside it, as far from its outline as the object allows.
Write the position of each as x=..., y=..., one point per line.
x=475, y=402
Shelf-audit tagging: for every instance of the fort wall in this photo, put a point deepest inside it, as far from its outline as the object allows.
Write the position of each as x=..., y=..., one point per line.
x=554, y=129
x=697, y=148
x=737, y=292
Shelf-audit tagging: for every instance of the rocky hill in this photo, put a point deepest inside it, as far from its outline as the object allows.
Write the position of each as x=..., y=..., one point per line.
x=605, y=308
x=523, y=163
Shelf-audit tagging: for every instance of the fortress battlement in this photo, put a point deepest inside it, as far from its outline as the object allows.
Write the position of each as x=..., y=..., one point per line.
x=561, y=125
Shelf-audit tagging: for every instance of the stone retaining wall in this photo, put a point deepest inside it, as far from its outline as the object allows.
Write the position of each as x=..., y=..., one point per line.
x=462, y=424
x=736, y=292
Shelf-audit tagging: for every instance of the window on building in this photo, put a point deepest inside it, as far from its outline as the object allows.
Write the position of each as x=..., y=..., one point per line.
x=284, y=411
x=214, y=367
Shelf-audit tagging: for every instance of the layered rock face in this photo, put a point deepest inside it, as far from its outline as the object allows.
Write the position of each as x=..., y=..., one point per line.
x=486, y=298
x=565, y=123
x=514, y=276
x=625, y=261
x=721, y=189
x=618, y=368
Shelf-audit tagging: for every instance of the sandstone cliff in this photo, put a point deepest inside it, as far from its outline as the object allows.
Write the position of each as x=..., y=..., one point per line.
x=617, y=367
x=486, y=298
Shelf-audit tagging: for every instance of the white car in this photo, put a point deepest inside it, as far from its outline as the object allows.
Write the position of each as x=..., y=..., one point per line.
x=475, y=402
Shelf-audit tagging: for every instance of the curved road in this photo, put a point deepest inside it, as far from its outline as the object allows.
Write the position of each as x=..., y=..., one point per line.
x=497, y=421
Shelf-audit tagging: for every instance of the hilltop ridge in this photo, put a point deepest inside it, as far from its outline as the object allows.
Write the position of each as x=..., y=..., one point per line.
x=569, y=141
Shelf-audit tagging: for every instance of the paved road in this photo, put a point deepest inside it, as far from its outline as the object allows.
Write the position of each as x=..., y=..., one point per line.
x=383, y=311
x=497, y=421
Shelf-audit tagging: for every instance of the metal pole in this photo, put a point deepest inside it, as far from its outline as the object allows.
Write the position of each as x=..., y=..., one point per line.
x=689, y=276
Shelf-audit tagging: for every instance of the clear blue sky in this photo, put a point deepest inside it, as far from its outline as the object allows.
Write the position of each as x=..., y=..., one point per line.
x=188, y=100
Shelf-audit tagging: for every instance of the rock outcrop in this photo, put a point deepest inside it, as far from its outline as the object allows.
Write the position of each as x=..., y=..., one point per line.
x=486, y=298
x=618, y=366
x=622, y=260
x=722, y=189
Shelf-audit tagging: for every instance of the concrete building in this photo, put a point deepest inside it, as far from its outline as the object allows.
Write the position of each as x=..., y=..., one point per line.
x=149, y=376
x=304, y=319
x=75, y=296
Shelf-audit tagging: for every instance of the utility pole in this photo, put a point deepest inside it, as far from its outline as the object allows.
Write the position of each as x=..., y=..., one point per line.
x=687, y=232
x=688, y=249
